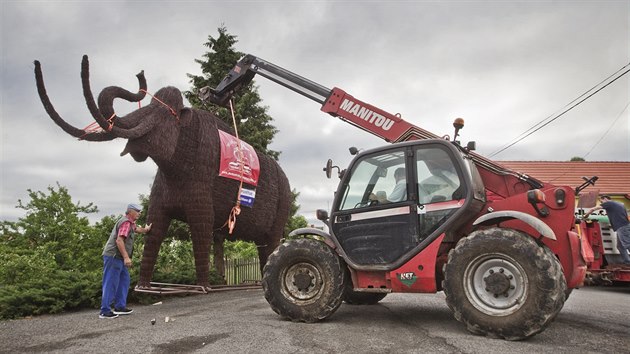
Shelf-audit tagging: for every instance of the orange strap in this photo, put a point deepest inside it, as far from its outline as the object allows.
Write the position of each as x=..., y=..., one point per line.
x=95, y=128
x=165, y=105
x=236, y=210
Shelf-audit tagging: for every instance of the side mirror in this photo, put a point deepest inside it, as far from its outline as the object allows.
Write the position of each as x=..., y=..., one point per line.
x=471, y=146
x=329, y=167
x=353, y=150
x=322, y=215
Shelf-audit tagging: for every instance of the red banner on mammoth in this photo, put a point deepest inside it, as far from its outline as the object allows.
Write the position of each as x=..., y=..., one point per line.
x=234, y=167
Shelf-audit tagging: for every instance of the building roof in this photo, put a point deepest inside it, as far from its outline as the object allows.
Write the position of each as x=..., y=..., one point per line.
x=614, y=177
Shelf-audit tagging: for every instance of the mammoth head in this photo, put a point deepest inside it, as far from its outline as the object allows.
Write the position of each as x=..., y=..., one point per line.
x=138, y=126
x=155, y=126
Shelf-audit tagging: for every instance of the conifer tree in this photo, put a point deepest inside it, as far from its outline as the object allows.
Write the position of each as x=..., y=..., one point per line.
x=253, y=123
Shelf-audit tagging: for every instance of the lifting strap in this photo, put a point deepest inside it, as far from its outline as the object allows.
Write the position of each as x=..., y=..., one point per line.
x=236, y=210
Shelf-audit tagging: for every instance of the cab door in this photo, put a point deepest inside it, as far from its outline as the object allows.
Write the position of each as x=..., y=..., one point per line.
x=442, y=189
x=374, y=222
x=374, y=229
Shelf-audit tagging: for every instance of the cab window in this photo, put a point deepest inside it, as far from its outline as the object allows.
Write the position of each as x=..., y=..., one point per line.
x=375, y=180
x=438, y=179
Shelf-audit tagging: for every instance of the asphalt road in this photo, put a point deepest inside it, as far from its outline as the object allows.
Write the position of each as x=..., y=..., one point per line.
x=592, y=320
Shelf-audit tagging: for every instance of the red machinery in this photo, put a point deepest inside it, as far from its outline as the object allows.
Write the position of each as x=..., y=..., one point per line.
x=604, y=269
x=501, y=245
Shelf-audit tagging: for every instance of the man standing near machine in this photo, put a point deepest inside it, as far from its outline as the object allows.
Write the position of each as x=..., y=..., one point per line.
x=116, y=259
x=618, y=217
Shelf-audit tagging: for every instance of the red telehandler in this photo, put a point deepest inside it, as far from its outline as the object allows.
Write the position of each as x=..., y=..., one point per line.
x=502, y=245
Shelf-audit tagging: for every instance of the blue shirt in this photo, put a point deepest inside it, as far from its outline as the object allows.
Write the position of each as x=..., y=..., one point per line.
x=617, y=214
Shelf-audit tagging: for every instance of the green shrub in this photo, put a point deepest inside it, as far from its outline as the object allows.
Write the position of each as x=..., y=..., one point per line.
x=57, y=292
x=51, y=258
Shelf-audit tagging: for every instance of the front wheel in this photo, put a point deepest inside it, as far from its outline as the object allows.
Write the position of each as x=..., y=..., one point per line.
x=304, y=280
x=500, y=283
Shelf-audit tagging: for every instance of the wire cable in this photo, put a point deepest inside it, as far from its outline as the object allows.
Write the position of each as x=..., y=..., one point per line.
x=566, y=172
x=607, y=131
x=549, y=119
x=568, y=104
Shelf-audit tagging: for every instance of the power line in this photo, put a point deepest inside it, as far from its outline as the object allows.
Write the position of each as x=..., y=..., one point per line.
x=609, y=128
x=568, y=104
x=566, y=172
x=549, y=119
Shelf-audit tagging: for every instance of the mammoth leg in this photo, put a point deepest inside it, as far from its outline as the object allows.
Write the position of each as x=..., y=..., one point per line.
x=265, y=250
x=153, y=241
x=271, y=239
x=201, y=233
x=218, y=255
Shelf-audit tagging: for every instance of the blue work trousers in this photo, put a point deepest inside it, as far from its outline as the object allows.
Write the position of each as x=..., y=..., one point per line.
x=115, y=284
x=623, y=242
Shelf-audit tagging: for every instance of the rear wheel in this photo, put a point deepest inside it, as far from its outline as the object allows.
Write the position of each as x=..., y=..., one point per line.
x=303, y=280
x=500, y=283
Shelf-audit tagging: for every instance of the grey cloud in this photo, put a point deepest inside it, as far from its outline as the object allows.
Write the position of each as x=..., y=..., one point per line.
x=502, y=66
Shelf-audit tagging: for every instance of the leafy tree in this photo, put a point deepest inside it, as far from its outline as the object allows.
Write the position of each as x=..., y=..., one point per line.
x=52, y=224
x=47, y=256
x=253, y=123
x=240, y=250
x=295, y=221
x=577, y=158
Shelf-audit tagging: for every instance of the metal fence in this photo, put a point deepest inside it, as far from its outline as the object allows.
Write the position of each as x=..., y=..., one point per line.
x=239, y=271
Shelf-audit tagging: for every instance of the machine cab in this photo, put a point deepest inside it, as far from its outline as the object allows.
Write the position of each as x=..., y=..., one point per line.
x=394, y=201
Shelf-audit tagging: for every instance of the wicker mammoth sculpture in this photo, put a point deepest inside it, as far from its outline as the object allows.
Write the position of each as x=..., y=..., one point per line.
x=184, y=143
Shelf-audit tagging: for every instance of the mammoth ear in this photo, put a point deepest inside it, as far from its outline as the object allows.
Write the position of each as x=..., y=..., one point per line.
x=186, y=116
x=171, y=97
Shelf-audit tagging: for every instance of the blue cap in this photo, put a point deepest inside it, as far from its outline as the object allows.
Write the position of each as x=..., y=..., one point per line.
x=135, y=207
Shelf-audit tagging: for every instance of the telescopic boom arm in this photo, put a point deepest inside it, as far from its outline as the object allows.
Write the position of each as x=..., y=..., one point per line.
x=336, y=102
x=248, y=67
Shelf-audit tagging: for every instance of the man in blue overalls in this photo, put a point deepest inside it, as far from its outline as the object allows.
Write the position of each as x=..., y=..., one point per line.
x=116, y=259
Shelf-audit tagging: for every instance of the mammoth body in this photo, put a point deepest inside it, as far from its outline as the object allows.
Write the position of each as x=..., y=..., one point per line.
x=189, y=189
x=185, y=144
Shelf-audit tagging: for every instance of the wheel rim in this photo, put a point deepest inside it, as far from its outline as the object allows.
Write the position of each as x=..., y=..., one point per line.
x=301, y=282
x=496, y=284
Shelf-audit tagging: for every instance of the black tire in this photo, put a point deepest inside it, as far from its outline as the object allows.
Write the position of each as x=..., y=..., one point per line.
x=501, y=283
x=560, y=274
x=304, y=280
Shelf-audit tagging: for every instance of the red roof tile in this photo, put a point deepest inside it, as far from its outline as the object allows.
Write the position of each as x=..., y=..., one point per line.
x=614, y=177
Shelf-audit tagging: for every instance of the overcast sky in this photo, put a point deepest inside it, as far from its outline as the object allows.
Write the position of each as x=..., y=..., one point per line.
x=501, y=65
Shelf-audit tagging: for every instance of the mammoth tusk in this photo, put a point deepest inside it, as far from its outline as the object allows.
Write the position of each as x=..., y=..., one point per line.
x=105, y=107
x=106, y=104
x=50, y=109
x=87, y=93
